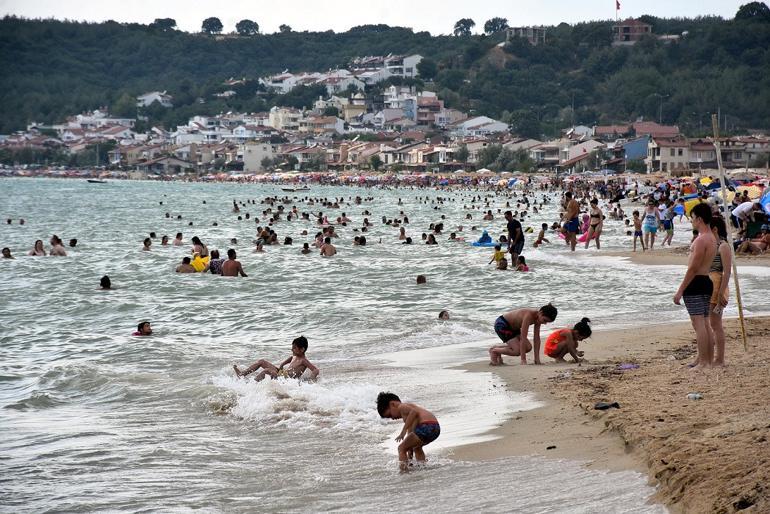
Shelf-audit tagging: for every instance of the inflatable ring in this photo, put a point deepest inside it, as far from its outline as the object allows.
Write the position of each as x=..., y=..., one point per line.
x=199, y=263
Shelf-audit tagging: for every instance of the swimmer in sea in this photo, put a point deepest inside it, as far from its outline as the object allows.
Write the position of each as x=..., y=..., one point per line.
x=143, y=329
x=443, y=315
x=38, y=250
x=7, y=253
x=164, y=241
x=147, y=244
x=328, y=249
x=57, y=248
x=178, y=239
x=185, y=267
x=105, y=283
x=420, y=427
x=295, y=365
x=564, y=341
x=512, y=328
x=232, y=267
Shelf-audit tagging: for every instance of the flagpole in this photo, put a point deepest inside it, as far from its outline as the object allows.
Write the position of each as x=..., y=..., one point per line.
x=723, y=181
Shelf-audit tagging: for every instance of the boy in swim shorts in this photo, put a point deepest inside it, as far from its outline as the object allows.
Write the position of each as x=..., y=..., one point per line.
x=297, y=364
x=512, y=328
x=638, y=230
x=420, y=427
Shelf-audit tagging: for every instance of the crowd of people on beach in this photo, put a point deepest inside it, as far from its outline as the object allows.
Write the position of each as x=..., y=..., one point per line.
x=585, y=208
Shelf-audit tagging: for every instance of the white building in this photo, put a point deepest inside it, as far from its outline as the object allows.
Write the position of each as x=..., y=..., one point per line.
x=148, y=99
x=479, y=126
x=253, y=155
x=284, y=118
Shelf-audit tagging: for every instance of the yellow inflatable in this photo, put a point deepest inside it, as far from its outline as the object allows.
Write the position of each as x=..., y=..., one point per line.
x=199, y=263
x=689, y=204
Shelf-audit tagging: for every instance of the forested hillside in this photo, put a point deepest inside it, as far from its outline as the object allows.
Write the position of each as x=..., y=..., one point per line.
x=52, y=68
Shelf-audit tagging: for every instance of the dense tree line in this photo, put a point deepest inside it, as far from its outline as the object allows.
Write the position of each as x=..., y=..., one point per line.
x=52, y=69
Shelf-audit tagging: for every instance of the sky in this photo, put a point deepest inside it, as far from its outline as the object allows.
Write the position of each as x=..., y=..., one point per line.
x=435, y=16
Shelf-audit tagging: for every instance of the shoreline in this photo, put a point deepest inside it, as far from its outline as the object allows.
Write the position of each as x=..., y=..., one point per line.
x=676, y=256
x=657, y=430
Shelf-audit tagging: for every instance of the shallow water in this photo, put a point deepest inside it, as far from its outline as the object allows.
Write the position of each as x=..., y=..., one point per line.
x=94, y=419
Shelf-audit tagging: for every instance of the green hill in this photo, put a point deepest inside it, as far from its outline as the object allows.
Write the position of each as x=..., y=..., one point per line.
x=52, y=69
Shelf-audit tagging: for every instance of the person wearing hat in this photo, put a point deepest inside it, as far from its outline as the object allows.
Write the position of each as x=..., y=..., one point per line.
x=758, y=245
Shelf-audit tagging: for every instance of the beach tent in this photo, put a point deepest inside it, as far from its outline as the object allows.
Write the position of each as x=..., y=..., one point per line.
x=512, y=182
x=483, y=170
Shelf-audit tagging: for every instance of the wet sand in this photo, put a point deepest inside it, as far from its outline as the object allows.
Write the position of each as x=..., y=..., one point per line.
x=677, y=255
x=704, y=455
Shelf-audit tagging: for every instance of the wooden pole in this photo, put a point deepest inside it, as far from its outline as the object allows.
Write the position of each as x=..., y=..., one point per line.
x=726, y=206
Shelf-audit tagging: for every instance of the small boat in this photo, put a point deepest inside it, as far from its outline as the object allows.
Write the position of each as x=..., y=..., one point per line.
x=96, y=181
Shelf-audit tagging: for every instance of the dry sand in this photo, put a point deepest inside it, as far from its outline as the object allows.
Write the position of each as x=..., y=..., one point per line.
x=709, y=455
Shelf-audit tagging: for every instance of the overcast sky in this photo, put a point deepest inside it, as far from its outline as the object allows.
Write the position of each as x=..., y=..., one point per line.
x=435, y=16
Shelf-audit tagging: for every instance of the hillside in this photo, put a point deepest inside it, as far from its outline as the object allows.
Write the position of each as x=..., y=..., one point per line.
x=52, y=69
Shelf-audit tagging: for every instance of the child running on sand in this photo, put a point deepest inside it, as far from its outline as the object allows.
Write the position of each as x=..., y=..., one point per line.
x=420, y=427
x=512, y=328
x=638, y=230
x=563, y=341
x=297, y=364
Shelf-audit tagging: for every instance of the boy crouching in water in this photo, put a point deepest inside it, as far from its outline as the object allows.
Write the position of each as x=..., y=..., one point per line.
x=420, y=427
x=297, y=364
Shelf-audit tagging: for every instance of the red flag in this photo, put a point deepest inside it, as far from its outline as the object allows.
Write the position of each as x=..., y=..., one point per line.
x=617, y=5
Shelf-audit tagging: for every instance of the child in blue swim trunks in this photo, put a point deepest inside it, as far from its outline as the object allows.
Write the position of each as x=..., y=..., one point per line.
x=420, y=427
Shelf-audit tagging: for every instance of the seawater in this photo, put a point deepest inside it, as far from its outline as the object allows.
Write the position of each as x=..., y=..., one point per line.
x=94, y=419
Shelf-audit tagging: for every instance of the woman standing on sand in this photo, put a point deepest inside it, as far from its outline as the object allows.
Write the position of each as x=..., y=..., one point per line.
x=719, y=273
x=597, y=223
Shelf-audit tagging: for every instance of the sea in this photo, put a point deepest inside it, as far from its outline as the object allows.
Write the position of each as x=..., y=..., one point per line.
x=95, y=419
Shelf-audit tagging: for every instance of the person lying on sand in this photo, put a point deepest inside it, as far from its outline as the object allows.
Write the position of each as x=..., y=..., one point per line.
x=295, y=365
x=565, y=341
x=512, y=328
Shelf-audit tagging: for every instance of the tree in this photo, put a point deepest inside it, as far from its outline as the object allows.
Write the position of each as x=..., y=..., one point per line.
x=211, y=26
x=754, y=11
x=124, y=107
x=331, y=111
x=462, y=154
x=266, y=163
x=427, y=68
x=164, y=24
x=463, y=27
x=495, y=25
x=375, y=162
x=247, y=28
x=285, y=29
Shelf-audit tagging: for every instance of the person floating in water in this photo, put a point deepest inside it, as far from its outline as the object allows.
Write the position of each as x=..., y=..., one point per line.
x=512, y=328
x=420, y=427
x=105, y=283
x=564, y=341
x=143, y=329
x=295, y=365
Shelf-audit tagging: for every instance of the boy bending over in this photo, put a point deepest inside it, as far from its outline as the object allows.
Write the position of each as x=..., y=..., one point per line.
x=420, y=427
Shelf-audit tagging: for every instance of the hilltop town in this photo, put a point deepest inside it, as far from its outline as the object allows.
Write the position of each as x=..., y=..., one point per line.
x=376, y=113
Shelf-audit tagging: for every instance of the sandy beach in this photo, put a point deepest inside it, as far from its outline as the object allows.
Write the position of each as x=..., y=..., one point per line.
x=678, y=255
x=709, y=455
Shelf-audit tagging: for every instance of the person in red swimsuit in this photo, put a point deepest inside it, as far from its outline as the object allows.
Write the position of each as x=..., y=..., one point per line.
x=563, y=341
